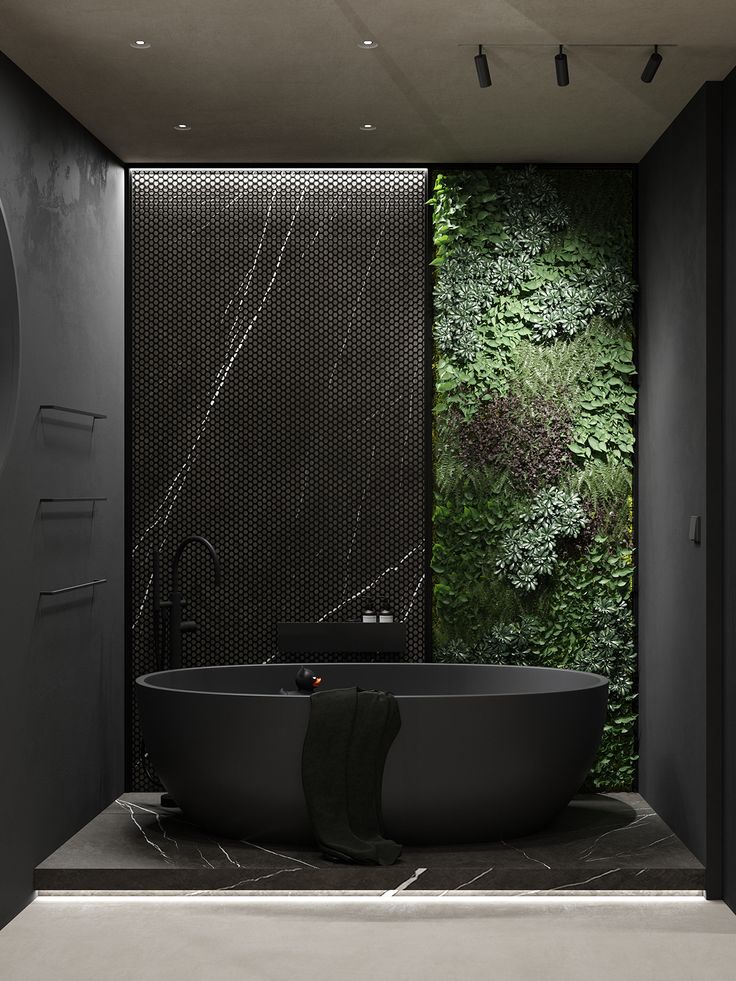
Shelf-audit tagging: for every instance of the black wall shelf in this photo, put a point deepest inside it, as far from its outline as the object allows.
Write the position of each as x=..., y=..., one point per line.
x=348, y=638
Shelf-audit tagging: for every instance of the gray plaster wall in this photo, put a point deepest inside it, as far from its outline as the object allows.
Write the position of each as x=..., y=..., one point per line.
x=677, y=330
x=61, y=658
x=729, y=512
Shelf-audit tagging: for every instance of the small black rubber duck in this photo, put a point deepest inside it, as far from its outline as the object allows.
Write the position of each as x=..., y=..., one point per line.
x=306, y=682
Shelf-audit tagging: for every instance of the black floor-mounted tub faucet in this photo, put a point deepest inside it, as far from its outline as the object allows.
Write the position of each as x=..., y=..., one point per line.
x=177, y=626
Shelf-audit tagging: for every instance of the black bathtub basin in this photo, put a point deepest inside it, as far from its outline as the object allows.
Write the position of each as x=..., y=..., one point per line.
x=485, y=752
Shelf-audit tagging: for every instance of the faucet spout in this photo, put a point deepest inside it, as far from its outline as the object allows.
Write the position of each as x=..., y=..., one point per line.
x=192, y=539
x=177, y=627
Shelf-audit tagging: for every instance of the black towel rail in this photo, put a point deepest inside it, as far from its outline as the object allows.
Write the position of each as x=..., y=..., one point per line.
x=74, y=412
x=69, y=589
x=68, y=500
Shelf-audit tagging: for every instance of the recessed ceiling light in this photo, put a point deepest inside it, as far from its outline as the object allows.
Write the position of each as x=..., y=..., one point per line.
x=140, y=44
x=368, y=44
x=367, y=127
x=182, y=127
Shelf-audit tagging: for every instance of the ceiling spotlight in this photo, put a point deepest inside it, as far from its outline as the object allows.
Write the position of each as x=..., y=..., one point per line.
x=368, y=44
x=367, y=127
x=481, y=67
x=140, y=44
x=563, y=75
x=650, y=69
x=182, y=127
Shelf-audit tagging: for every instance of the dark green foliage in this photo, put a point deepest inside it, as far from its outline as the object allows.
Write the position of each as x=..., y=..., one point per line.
x=531, y=550
x=533, y=442
x=528, y=438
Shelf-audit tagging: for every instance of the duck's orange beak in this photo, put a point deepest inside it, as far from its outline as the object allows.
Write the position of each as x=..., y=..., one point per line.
x=316, y=682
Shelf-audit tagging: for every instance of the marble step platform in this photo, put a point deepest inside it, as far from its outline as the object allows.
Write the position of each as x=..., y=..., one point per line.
x=601, y=842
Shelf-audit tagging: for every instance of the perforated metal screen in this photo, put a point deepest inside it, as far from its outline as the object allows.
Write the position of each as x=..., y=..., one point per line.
x=277, y=375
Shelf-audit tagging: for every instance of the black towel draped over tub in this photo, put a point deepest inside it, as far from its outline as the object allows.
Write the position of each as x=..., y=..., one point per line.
x=348, y=738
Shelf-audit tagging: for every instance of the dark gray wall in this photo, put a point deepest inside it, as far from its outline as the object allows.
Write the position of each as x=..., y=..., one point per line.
x=677, y=184
x=61, y=659
x=729, y=514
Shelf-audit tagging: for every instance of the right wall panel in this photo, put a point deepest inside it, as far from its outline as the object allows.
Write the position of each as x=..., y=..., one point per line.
x=679, y=331
x=729, y=486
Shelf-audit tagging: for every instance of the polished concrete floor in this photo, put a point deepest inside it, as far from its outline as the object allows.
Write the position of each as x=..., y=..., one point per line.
x=358, y=939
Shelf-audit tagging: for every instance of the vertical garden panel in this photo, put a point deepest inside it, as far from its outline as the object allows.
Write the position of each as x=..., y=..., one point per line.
x=533, y=430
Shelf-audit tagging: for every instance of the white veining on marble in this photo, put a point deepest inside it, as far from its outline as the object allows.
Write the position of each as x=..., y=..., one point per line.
x=469, y=882
x=529, y=857
x=403, y=885
x=589, y=850
x=380, y=411
x=159, y=822
x=332, y=212
x=370, y=472
x=369, y=477
x=405, y=447
x=633, y=851
x=244, y=288
x=369, y=269
x=129, y=807
x=361, y=592
x=242, y=882
x=237, y=342
x=205, y=860
x=413, y=598
x=227, y=855
x=220, y=212
x=309, y=462
x=142, y=607
x=548, y=890
x=584, y=882
x=237, y=338
x=291, y=858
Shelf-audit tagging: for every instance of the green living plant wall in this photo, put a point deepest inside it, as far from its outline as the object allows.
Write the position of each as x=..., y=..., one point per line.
x=533, y=442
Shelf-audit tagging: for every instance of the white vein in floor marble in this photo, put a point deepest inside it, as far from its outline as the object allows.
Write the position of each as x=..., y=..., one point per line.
x=591, y=848
x=633, y=851
x=529, y=857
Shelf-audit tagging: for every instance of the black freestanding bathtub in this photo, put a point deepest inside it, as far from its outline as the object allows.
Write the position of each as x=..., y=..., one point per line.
x=484, y=752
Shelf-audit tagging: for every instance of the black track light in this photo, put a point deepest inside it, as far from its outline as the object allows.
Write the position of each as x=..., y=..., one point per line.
x=650, y=69
x=563, y=75
x=481, y=67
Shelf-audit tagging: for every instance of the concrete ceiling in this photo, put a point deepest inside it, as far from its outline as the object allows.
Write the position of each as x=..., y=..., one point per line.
x=284, y=81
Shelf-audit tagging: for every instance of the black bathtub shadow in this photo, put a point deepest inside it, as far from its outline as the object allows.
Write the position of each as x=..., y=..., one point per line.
x=585, y=818
x=587, y=815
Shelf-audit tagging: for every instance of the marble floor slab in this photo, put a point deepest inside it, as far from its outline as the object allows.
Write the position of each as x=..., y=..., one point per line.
x=601, y=842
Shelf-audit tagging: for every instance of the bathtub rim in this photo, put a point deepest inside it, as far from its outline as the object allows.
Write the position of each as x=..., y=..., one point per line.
x=596, y=681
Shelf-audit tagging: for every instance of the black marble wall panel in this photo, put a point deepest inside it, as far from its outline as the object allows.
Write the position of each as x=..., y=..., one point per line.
x=278, y=375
